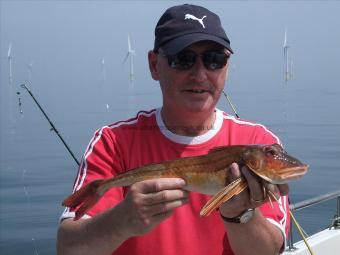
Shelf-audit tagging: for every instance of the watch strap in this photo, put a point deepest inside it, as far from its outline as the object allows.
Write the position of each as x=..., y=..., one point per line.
x=236, y=219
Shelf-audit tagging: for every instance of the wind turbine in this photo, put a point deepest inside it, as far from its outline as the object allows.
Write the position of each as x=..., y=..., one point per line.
x=103, y=69
x=130, y=54
x=29, y=67
x=9, y=57
x=287, y=65
x=103, y=73
x=131, y=99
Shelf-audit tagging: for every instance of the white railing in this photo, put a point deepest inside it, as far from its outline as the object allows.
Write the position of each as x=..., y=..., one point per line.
x=313, y=201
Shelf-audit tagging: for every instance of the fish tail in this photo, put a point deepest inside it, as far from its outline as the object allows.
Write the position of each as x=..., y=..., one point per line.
x=86, y=197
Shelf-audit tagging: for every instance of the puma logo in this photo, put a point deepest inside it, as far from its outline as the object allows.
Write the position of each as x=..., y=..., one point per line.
x=190, y=16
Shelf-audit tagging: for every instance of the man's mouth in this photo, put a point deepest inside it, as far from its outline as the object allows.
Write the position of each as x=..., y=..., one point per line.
x=198, y=91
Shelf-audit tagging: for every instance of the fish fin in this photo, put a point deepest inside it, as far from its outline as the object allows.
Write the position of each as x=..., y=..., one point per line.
x=86, y=205
x=86, y=197
x=270, y=201
x=233, y=189
x=273, y=196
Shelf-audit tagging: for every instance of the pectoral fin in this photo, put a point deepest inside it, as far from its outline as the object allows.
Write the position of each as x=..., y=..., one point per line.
x=233, y=189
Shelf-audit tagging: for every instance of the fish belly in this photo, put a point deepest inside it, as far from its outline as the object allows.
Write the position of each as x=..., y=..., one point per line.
x=206, y=182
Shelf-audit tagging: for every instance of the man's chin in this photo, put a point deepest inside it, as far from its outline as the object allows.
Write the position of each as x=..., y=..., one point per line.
x=199, y=107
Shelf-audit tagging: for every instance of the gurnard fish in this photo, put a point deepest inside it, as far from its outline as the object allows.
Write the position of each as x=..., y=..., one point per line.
x=206, y=174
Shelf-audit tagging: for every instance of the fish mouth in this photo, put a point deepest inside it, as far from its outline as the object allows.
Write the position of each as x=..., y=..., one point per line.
x=284, y=175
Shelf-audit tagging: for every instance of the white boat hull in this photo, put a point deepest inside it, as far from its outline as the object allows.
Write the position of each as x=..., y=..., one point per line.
x=325, y=242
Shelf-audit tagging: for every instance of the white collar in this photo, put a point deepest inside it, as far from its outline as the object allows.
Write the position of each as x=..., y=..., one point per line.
x=190, y=140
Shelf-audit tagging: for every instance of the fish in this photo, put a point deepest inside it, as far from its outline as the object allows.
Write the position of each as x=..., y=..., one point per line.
x=206, y=174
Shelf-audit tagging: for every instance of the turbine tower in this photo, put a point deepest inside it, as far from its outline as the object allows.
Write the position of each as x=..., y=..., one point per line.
x=103, y=69
x=130, y=54
x=288, y=63
x=29, y=68
x=103, y=81
x=9, y=57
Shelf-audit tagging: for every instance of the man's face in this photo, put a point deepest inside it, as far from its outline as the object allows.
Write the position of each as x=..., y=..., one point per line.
x=193, y=90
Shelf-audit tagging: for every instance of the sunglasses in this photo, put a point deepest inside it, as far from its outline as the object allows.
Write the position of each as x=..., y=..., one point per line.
x=184, y=60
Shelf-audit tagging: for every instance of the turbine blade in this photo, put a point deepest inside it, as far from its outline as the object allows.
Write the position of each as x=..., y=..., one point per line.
x=9, y=53
x=129, y=43
x=126, y=57
x=285, y=40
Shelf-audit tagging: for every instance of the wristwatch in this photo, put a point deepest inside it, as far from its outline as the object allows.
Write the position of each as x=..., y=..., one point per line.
x=244, y=217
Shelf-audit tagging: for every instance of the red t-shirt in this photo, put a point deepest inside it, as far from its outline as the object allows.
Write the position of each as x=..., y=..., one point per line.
x=144, y=140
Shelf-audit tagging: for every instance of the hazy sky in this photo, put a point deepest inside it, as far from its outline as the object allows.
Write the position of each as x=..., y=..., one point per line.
x=58, y=46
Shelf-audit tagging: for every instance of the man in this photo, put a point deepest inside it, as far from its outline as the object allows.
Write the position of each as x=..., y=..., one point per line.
x=190, y=61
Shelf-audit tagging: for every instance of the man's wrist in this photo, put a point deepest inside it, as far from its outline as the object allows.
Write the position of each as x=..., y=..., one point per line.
x=244, y=217
x=232, y=213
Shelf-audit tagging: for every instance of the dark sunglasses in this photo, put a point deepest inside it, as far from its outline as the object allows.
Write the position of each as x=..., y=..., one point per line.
x=184, y=60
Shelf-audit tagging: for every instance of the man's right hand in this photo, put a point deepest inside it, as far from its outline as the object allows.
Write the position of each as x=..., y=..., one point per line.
x=146, y=205
x=150, y=202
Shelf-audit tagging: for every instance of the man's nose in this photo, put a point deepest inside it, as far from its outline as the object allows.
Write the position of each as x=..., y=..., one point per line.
x=198, y=70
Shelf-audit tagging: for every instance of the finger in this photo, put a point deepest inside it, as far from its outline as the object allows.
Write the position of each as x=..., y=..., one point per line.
x=275, y=190
x=272, y=191
x=164, y=196
x=163, y=208
x=256, y=193
x=284, y=189
x=155, y=185
x=235, y=172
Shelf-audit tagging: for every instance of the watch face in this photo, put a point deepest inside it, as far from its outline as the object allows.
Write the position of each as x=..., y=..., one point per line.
x=247, y=216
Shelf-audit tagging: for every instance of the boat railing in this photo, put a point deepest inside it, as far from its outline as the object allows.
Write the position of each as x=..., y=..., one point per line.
x=313, y=201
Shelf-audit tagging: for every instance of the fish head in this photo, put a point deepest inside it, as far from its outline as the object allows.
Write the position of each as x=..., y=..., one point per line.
x=273, y=164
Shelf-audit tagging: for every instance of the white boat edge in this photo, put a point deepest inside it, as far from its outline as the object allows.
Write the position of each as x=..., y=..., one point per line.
x=325, y=242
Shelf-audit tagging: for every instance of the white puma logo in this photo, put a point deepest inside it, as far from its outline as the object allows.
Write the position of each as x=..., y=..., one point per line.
x=190, y=16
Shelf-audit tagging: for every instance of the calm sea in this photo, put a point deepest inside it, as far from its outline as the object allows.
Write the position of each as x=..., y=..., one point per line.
x=37, y=172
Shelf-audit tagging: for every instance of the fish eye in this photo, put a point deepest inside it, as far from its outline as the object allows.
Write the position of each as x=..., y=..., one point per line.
x=270, y=151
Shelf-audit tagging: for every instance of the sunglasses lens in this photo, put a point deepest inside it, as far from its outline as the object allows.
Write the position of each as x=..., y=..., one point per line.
x=215, y=60
x=182, y=61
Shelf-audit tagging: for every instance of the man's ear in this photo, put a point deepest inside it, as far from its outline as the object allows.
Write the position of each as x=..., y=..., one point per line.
x=153, y=58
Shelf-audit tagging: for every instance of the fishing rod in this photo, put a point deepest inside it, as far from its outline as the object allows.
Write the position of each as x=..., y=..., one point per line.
x=53, y=128
x=230, y=103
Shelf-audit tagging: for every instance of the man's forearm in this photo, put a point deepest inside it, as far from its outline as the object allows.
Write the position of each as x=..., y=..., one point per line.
x=146, y=205
x=98, y=235
x=258, y=236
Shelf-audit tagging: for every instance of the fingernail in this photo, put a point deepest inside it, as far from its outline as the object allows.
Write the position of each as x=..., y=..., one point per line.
x=181, y=182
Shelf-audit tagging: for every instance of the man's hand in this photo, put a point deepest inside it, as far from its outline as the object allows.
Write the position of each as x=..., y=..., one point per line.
x=256, y=194
x=150, y=202
x=261, y=236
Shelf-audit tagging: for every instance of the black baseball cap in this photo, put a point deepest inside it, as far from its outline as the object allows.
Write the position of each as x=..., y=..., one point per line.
x=183, y=25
